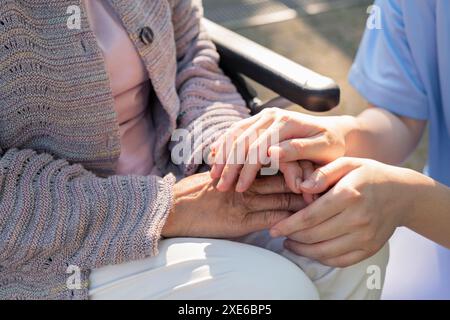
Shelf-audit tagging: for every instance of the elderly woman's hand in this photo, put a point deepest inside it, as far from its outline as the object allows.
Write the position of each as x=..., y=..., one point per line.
x=200, y=210
x=284, y=136
x=356, y=217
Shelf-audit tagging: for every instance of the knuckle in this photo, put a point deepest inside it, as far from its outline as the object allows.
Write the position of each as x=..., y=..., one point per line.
x=363, y=220
x=285, y=200
x=374, y=248
x=349, y=193
x=369, y=237
x=297, y=145
x=307, y=218
x=284, y=118
x=269, y=217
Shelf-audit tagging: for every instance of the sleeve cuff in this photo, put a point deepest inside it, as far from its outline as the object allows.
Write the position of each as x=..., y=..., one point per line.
x=388, y=98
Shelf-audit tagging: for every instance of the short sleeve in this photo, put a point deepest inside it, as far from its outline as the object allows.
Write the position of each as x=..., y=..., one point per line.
x=384, y=72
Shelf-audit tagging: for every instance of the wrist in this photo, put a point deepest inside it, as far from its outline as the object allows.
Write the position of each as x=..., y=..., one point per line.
x=169, y=229
x=420, y=191
x=349, y=128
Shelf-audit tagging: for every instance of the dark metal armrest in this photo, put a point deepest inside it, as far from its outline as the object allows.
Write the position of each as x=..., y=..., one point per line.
x=290, y=80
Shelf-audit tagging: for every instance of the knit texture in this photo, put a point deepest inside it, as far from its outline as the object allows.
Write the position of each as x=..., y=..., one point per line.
x=60, y=203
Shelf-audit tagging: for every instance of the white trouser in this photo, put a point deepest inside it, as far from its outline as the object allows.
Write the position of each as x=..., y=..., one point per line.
x=191, y=268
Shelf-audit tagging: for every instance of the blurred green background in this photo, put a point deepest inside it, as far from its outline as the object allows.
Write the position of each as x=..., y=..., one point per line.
x=322, y=35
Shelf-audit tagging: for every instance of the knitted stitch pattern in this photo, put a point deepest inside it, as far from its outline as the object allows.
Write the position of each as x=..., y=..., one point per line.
x=61, y=206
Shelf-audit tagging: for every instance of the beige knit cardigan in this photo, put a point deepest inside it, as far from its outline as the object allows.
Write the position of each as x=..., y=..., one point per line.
x=60, y=203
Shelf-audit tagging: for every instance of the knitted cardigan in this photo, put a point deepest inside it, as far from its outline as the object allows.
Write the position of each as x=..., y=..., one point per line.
x=62, y=209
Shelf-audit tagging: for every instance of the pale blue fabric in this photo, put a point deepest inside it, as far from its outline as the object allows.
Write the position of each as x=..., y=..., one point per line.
x=404, y=67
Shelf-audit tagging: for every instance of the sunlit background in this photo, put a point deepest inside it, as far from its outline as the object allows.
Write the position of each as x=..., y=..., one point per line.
x=322, y=35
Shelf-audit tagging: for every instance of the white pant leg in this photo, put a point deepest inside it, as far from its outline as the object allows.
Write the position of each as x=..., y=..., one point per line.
x=189, y=268
x=332, y=283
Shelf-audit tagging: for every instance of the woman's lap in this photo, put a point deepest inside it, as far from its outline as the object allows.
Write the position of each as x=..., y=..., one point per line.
x=190, y=268
x=331, y=283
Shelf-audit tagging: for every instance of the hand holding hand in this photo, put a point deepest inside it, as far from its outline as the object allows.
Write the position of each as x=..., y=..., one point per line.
x=200, y=210
x=241, y=152
x=348, y=223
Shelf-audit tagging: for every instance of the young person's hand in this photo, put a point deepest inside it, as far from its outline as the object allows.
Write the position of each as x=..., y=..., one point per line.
x=354, y=219
x=200, y=210
x=240, y=153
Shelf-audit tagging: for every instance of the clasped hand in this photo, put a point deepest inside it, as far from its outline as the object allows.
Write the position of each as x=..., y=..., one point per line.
x=346, y=224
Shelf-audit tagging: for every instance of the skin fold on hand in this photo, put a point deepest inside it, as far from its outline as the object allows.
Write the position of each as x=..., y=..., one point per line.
x=200, y=210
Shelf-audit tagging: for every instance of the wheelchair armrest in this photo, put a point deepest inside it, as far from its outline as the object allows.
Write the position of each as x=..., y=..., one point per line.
x=288, y=79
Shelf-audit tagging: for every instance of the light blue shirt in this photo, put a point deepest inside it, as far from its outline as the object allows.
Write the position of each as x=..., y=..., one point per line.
x=404, y=67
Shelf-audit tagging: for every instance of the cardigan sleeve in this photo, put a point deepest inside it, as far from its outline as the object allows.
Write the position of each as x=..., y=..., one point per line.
x=53, y=212
x=209, y=101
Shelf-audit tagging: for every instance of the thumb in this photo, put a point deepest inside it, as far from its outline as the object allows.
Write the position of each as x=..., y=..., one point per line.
x=328, y=175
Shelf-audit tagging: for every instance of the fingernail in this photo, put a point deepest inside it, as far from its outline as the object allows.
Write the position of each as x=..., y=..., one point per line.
x=308, y=184
x=275, y=233
x=239, y=186
x=298, y=183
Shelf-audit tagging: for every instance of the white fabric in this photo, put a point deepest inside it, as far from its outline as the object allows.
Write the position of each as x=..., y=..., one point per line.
x=418, y=268
x=190, y=269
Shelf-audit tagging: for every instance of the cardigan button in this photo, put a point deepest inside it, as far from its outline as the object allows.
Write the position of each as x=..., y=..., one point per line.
x=146, y=35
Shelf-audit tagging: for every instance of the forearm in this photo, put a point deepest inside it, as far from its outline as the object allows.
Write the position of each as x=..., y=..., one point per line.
x=381, y=135
x=72, y=214
x=430, y=211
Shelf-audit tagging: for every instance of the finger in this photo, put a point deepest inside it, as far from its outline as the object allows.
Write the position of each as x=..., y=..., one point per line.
x=347, y=259
x=332, y=228
x=263, y=220
x=269, y=185
x=324, y=250
x=223, y=144
x=329, y=174
x=283, y=201
x=319, y=211
x=307, y=169
x=314, y=148
x=238, y=153
x=242, y=124
x=293, y=174
x=257, y=156
x=308, y=197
